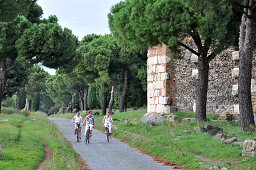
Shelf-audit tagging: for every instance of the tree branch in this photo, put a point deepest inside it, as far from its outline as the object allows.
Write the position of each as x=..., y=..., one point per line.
x=12, y=65
x=113, y=83
x=188, y=48
x=211, y=57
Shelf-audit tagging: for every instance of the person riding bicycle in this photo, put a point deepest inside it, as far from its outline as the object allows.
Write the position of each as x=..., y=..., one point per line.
x=107, y=121
x=78, y=120
x=89, y=123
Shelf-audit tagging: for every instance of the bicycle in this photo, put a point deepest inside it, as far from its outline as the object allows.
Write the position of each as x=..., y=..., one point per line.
x=87, y=137
x=77, y=132
x=107, y=133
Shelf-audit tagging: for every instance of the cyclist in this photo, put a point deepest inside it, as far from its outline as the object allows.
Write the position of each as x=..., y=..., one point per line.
x=78, y=120
x=89, y=123
x=108, y=123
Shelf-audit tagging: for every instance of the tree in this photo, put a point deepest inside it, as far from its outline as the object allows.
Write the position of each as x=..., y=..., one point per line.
x=213, y=26
x=246, y=47
x=35, y=85
x=105, y=59
x=9, y=9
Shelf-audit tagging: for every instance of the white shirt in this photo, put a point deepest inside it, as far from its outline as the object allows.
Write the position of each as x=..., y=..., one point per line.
x=78, y=119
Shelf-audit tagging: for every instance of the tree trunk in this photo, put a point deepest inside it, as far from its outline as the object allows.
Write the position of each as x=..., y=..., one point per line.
x=81, y=97
x=202, y=87
x=19, y=100
x=246, y=46
x=111, y=101
x=28, y=105
x=85, y=97
x=104, y=99
x=122, y=94
x=3, y=77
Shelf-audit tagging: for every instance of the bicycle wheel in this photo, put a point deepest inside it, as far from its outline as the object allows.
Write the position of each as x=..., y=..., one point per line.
x=87, y=140
x=107, y=135
x=77, y=134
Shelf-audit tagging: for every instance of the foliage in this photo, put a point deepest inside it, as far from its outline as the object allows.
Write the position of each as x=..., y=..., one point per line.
x=142, y=76
x=92, y=98
x=45, y=102
x=54, y=109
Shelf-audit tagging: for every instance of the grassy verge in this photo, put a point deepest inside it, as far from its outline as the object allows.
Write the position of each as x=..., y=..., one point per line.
x=23, y=151
x=168, y=141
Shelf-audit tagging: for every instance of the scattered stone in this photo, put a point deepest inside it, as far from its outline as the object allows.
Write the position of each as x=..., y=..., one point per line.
x=152, y=124
x=222, y=136
x=188, y=131
x=114, y=127
x=189, y=119
x=224, y=168
x=238, y=143
x=126, y=122
x=171, y=118
x=4, y=120
x=74, y=110
x=249, y=148
x=150, y=118
x=245, y=159
x=230, y=140
x=96, y=113
x=208, y=127
x=1, y=152
x=214, y=131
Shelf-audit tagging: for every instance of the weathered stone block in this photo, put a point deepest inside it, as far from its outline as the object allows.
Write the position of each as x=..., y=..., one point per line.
x=164, y=76
x=159, y=108
x=151, y=100
x=195, y=73
x=194, y=58
x=152, y=108
x=167, y=109
x=150, y=93
x=249, y=148
x=166, y=100
x=235, y=55
x=163, y=59
x=236, y=109
x=159, y=85
x=156, y=100
x=160, y=69
x=155, y=60
x=156, y=93
x=235, y=73
x=235, y=90
x=153, y=68
x=152, y=118
x=163, y=92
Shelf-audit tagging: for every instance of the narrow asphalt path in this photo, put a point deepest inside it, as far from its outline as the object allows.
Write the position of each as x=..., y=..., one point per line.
x=101, y=155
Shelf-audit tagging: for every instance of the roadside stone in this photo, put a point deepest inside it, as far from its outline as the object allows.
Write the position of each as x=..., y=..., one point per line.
x=238, y=143
x=114, y=127
x=4, y=120
x=214, y=131
x=149, y=118
x=74, y=110
x=1, y=152
x=222, y=136
x=224, y=168
x=188, y=131
x=249, y=148
x=189, y=119
x=126, y=122
x=171, y=118
x=230, y=140
x=208, y=127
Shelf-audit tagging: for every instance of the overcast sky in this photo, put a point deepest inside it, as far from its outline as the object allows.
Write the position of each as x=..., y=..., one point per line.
x=81, y=16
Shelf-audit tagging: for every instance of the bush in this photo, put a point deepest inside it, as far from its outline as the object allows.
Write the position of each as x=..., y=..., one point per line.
x=54, y=109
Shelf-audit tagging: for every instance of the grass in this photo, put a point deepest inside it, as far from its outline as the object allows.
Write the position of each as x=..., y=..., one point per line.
x=168, y=141
x=23, y=151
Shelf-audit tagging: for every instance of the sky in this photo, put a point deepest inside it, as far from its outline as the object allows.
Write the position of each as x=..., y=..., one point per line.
x=81, y=16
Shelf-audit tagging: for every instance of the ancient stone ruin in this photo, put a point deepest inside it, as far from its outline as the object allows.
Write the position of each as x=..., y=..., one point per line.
x=172, y=82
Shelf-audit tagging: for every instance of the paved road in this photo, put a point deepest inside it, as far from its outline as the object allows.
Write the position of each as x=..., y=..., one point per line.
x=101, y=155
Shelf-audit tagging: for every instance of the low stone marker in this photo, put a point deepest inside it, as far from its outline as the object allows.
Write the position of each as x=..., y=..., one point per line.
x=1, y=152
x=249, y=148
x=150, y=118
